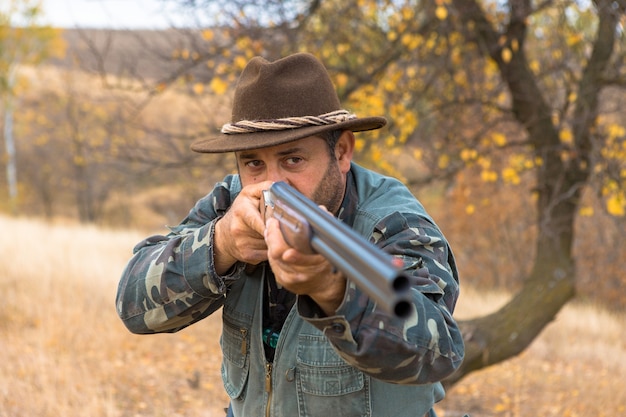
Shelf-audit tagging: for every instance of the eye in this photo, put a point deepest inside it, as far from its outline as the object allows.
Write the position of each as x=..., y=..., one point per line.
x=293, y=160
x=254, y=163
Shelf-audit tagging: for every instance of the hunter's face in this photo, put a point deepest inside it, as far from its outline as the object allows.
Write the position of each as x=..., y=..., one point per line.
x=305, y=164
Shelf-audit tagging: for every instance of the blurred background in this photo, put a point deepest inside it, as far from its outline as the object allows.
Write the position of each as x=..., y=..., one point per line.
x=506, y=121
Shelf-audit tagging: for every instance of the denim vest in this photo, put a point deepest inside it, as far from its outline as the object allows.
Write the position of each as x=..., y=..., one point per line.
x=307, y=377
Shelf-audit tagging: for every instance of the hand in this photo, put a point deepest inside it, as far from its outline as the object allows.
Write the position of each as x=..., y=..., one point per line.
x=304, y=274
x=239, y=234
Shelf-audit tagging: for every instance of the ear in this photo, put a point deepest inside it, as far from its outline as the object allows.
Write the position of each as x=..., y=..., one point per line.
x=344, y=150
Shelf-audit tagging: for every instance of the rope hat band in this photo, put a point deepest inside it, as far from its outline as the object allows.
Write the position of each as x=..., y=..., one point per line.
x=247, y=126
x=277, y=102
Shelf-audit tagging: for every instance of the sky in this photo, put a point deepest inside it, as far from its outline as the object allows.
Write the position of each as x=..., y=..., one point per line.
x=115, y=14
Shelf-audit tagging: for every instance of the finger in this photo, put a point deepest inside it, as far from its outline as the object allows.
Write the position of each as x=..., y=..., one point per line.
x=255, y=191
x=274, y=238
x=254, y=221
x=253, y=217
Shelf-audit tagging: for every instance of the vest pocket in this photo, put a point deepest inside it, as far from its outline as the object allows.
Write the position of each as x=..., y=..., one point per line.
x=235, y=342
x=326, y=384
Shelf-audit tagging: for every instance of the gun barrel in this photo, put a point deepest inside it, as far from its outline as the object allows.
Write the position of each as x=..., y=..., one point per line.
x=370, y=268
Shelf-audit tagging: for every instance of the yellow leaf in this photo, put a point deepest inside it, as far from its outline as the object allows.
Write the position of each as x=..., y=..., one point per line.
x=441, y=12
x=615, y=205
x=470, y=209
x=566, y=136
x=240, y=62
x=489, y=176
x=408, y=13
x=359, y=144
x=342, y=48
x=377, y=154
x=498, y=408
x=341, y=80
x=586, y=211
x=198, y=88
x=218, y=86
x=616, y=131
x=528, y=164
x=509, y=175
x=573, y=39
x=207, y=35
x=406, y=39
x=389, y=85
x=499, y=139
x=443, y=161
x=534, y=66
x=468, y=154
x=507, y=55
x=460, y=78
x=484, y=163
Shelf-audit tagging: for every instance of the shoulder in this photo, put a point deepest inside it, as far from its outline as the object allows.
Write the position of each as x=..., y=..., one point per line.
x=380, y=196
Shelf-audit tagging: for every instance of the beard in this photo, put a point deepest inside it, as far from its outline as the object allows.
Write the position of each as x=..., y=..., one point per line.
x=331, y=188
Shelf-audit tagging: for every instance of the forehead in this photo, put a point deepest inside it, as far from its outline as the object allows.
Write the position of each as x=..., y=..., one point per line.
x=308, y=144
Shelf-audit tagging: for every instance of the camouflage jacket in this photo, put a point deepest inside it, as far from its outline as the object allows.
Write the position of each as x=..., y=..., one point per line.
x=360, y=361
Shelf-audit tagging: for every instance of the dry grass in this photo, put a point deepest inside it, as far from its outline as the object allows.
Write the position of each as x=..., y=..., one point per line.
x=64, y=352
x=574, y=368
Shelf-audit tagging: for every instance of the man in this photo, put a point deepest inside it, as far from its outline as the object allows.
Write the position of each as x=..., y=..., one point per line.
x=298, y=338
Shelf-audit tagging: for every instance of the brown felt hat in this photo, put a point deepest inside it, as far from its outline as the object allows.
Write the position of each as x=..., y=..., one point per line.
x=282, y=101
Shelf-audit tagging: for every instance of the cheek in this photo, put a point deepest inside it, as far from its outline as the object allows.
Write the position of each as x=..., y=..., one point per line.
x=248, y=179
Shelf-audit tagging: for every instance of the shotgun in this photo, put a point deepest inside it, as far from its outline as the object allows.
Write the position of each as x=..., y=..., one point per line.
x=309, y=229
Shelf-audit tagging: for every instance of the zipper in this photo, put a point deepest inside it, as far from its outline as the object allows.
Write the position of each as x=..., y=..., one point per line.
x=268, y=387
x=269, y=365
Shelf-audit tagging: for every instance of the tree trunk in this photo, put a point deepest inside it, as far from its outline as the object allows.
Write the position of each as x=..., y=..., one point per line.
x=9, y=141
x=11, y=168
x=507, y=332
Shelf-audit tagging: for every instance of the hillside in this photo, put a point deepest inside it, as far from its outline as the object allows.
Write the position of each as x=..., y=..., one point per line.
x=141, y=54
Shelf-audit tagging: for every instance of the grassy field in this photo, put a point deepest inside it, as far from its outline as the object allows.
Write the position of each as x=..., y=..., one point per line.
x=64, y=352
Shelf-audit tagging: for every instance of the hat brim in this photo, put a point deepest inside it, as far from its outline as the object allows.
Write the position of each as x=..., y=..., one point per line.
x=247, y=141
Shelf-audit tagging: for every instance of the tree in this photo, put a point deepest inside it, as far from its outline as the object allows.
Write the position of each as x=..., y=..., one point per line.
x=505, y=89
x=21, y=42
x=564, y=170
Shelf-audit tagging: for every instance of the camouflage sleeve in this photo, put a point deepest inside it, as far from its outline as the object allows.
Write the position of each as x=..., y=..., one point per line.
x=423, y=348
x=170, y=282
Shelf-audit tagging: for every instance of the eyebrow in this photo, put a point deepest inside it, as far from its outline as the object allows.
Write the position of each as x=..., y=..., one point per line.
x=288, y=151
